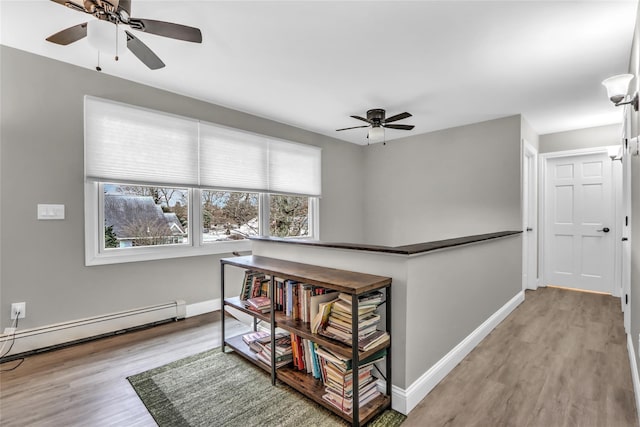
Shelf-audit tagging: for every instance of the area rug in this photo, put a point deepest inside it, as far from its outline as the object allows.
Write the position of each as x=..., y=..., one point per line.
x=222, y=389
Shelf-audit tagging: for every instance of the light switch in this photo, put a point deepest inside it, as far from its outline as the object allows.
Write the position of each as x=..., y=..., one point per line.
x=50, y=211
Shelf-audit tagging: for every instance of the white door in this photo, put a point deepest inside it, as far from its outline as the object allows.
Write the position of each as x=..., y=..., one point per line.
x=579, y=251
x=529, y=217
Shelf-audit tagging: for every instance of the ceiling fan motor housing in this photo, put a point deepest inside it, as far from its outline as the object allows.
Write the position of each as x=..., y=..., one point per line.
x=376, y=115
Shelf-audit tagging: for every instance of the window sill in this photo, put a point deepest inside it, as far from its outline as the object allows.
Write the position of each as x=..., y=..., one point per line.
x=119, y=256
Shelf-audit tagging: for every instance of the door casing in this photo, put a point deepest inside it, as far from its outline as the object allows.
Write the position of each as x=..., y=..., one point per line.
x=616, y=183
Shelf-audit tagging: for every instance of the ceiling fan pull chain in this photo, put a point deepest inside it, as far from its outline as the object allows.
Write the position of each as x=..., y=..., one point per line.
x=116, y=40
x=98, y=67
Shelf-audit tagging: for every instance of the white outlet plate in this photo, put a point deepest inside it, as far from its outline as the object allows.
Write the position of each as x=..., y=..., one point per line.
x=9, y=331
x=18, y=306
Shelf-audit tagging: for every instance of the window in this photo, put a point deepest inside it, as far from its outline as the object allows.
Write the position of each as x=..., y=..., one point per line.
x=137, y=216
x=162, y=186
x=288, y=216
x=228, y=215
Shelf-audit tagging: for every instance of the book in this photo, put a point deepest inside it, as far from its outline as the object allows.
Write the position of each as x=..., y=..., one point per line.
x=253, y=336
x=258, y=345
x=344, y=363
x=261, y=304
x=321, y=318
x=372, y=298
x=372, y=340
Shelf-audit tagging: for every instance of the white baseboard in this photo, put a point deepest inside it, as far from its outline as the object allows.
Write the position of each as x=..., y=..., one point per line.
x=635, y=378
x=34, y=339
x=28, y=340
x=203, y=307
x=404, y=401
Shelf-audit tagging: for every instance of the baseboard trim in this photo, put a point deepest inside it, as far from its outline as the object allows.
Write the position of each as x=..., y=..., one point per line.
x=404, y=401
x=635, y=378
x=29, y=341
x=202, y=307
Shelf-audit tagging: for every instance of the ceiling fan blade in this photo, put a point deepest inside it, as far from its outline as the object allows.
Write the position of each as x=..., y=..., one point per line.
x=397, y=117
x=71, y=4
x=355, y=127
x=69, y=35
x=403, y=127
x=126, y=6
x=167, y=29
x=143, y=53
x=362, y=118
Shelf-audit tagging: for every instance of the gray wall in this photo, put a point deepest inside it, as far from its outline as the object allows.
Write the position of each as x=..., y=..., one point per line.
x=42, y=162
x=450, y=293
x=598, y=136
x=454, y=182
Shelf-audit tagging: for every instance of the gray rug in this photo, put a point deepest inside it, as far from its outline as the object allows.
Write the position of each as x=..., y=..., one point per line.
x=216, y=389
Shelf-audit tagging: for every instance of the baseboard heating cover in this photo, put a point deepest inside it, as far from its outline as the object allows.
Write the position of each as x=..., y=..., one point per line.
x=29, y=340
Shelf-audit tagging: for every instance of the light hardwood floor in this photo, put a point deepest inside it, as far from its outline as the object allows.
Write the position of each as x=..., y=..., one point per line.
x=559, y=359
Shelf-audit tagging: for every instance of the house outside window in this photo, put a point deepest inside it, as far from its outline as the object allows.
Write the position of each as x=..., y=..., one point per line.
x=137, y=216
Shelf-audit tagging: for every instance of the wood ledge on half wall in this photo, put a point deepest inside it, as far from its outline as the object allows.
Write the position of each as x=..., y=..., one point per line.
x=413, y=249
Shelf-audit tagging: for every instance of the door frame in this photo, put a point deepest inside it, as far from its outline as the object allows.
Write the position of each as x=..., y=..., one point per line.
x=530, y=189
x=625, y=218
x=616, y=182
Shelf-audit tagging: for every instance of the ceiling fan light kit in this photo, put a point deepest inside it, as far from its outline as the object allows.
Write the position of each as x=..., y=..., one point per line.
x=377, y=123
x=376, y=134
x=109, y=16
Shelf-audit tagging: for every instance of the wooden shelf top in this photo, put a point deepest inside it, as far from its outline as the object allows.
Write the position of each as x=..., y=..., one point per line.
x=341, y=280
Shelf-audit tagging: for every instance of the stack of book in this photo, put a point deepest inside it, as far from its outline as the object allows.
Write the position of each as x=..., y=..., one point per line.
x=337, y=375
x=260, y=304
x=252, y=337
x=284, y=351
x=338, y=324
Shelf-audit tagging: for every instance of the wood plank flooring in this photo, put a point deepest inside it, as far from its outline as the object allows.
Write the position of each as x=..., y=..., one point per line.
x=558, y=359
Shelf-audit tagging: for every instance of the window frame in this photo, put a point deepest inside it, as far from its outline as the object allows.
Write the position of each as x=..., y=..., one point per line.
x=96, y=254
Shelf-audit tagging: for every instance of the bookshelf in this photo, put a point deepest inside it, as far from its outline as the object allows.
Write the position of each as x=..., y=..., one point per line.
x=348, y=282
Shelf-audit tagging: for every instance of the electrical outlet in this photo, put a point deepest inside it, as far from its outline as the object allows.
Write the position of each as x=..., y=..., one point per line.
x=9, y=331
x=18, y=307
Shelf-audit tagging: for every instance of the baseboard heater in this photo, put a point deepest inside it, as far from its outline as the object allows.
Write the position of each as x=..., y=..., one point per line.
x=37, y=340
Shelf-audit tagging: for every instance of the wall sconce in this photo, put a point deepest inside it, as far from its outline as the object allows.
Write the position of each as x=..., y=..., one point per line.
x=617, y=88
x=615, y=152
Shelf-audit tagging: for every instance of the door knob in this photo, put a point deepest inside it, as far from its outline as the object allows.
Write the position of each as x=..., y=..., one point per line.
x=606, y=229
x=529, y=229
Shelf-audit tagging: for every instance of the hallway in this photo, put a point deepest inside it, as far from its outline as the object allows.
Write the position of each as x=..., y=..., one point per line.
x=560, y=359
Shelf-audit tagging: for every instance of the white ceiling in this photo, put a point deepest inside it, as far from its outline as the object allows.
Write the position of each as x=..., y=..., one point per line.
x=312, y=64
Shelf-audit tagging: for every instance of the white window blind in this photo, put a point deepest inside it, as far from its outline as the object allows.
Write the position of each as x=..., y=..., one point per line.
x=294, y=168
x=133, y=145
x=232, y=160
x=130, y=144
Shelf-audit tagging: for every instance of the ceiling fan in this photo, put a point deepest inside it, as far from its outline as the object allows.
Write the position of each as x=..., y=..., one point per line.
x=376, y=122
x=118, y=12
